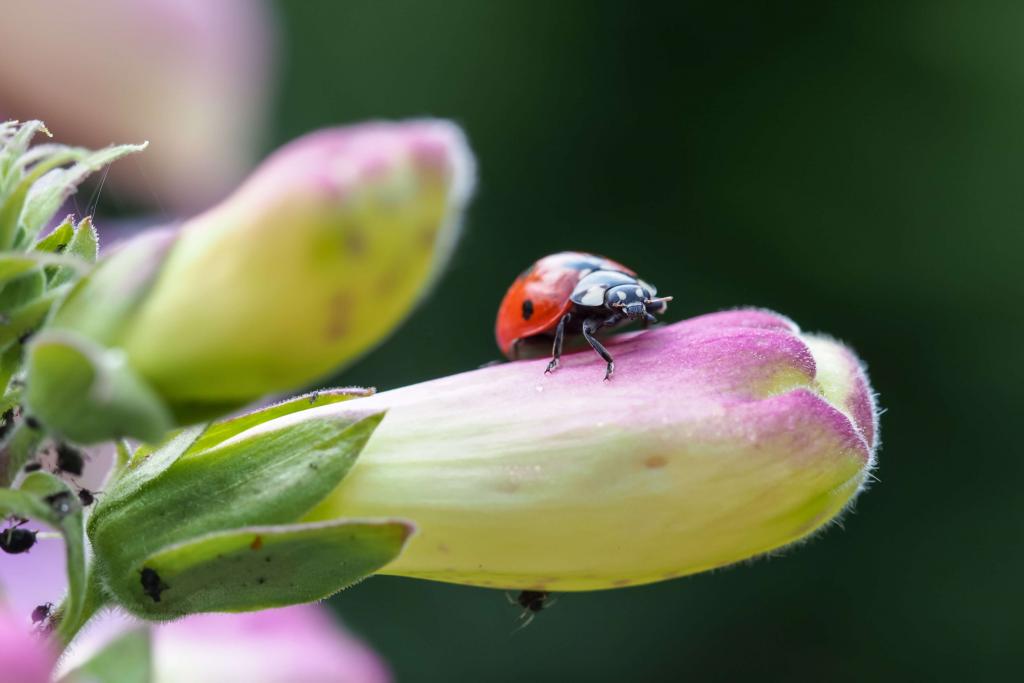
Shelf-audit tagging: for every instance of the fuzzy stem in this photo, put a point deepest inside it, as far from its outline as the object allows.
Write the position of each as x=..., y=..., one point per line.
x=95, y=600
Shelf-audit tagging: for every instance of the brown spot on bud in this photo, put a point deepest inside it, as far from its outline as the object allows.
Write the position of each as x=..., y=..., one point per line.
x=355, y=241
x=338, y=317
x=655, y=462
x=257, y=543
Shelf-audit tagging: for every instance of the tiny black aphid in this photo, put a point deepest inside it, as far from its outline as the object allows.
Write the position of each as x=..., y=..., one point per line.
x=532, y=602
x=16, y=540
x=86, y=497
x=6, y=422
x=152, y=585
x=69, y=459
x=42, y=612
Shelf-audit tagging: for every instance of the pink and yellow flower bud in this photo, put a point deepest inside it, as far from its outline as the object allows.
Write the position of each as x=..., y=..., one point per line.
x=310, y=263
x=720, y=438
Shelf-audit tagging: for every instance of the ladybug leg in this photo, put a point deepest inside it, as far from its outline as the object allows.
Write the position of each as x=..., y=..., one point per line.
x=556, y=349
x=648, y=320
x=591, y=325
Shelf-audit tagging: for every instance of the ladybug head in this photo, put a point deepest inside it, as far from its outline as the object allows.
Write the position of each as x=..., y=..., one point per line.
x=635, y=301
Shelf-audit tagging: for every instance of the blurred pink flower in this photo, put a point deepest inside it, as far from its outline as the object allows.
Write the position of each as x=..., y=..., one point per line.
x=301, y=644
x=190, y=76
x=24, y=657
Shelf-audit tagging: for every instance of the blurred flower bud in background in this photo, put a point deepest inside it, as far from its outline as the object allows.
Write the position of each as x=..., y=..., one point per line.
x=190, y=76
x=720, y=438
x=315, y=259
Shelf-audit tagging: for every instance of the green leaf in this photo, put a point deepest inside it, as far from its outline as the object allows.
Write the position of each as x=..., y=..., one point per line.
x=21, y=290
x=21, y=443
x=11, y=211
x=57, y=240
x=261, y=477
x=126, y=659
x=27, y=318
x=46, y=498
x=83, y=248
x=225, y=429
x=260, y=567
x=16, y=263
x=89, y=394
x=50, y=191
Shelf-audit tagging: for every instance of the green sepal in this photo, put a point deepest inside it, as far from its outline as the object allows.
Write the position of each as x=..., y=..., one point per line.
x=28, y=318
x=46, y=498
x=89, y=394
x=16, y=263
x=57, y=241
x=260, y=567
x=262, y=477
x=19, y=445
x=225, y=429
x=149, y=462
x=126, y=659
x=84, y=248
x=21, y=289
x=50, y=190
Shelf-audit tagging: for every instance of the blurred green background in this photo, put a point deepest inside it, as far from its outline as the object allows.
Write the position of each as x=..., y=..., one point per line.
x=857, y=166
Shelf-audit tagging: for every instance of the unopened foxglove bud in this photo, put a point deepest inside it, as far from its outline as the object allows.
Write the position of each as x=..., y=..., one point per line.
x=719, y=438
x=315, y=259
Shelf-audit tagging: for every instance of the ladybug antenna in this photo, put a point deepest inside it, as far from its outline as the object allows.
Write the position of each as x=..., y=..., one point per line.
x=658, y=299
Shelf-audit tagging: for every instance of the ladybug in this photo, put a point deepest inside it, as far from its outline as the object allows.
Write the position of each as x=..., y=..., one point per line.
x=573, y=293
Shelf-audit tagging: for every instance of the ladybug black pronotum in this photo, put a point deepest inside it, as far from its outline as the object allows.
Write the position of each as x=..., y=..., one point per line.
x=574, y=293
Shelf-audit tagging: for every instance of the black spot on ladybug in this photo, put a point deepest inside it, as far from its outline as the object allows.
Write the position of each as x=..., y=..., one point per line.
x=152, y=585
x=61, y=503
x=33, y=466
x=15, y=541
x=69, y=459
x=32, y=423
x=527, y=309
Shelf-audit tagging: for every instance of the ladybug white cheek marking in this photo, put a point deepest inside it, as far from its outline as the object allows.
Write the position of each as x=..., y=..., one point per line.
x=593, y=297
x=639, y=292
x=622, y=296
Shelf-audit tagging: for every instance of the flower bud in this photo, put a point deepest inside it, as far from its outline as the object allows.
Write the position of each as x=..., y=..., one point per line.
x=719, y=438
x=314, y=260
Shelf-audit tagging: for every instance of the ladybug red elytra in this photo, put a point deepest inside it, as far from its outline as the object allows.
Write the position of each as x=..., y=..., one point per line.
x=573, y=292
